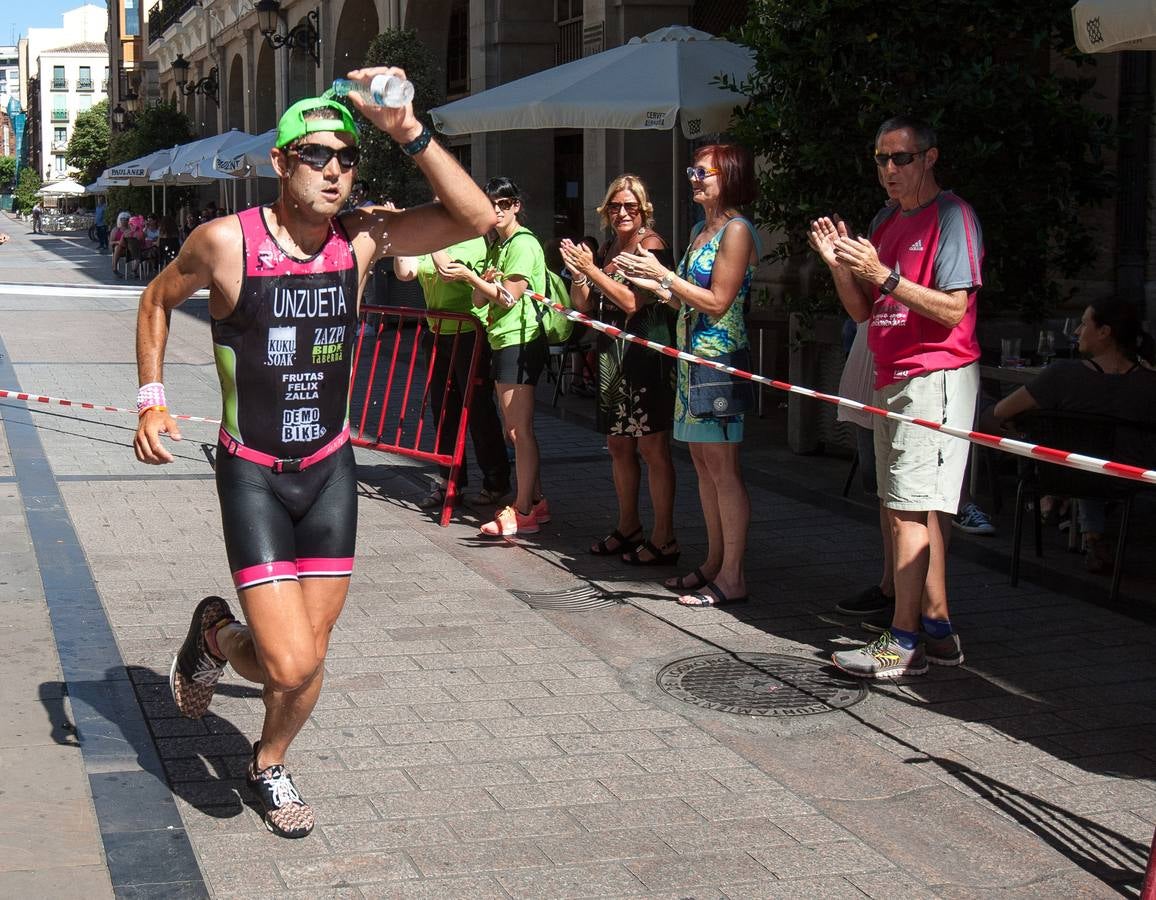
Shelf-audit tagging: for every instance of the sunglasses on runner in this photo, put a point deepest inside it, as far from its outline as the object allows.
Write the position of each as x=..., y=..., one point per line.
x=699, y=173
x=615, y=208
x=900, y=159
x=317, y=156
x=504, y=203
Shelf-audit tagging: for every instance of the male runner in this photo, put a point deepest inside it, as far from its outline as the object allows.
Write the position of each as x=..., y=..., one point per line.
x=284, y=286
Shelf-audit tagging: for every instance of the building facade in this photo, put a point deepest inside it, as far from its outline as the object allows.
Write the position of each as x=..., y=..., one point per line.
x=479, y=43
x=63, y=71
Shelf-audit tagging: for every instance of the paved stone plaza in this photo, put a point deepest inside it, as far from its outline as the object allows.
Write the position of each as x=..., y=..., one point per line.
x=468, y=744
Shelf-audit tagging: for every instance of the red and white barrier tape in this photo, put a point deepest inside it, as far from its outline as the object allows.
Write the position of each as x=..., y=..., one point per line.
x=57, y=401
x=1019, y=448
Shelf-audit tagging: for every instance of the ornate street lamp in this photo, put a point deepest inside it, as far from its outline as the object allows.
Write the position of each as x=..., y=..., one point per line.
x=207, y=86
x=122, y=119
x=304, y=36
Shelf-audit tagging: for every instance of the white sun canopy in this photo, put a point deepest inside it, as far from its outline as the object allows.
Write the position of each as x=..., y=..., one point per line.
x=1102, y=26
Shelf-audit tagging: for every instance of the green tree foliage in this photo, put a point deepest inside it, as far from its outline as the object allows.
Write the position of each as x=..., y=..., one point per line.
x=7, y=173
x=156, y=127
x=386, y=170
x=88, y=146
x=1015, y=139
x=30, y=183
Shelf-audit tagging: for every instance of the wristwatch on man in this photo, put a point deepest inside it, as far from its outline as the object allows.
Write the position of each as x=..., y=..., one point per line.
x=890, y=284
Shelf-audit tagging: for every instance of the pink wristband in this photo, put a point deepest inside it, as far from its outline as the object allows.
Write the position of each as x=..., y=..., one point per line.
x=151, y=394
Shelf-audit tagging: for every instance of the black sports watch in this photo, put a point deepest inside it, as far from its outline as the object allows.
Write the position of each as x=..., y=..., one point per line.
x=890, y=284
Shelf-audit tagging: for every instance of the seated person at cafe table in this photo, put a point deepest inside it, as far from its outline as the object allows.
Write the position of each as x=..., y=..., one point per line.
x=1115, y=379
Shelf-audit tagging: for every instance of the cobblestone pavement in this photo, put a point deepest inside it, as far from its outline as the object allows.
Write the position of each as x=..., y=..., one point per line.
x=470, y=745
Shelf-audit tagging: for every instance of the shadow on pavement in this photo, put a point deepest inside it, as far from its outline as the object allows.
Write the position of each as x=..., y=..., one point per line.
x=133, y=725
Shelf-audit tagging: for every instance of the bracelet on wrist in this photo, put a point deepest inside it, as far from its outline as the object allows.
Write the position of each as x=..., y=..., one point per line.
x=577, y=283
x=157, y=407
x=419, y=143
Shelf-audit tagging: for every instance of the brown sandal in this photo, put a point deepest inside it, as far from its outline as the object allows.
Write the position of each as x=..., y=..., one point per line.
x=603, y=548
x=683, y=585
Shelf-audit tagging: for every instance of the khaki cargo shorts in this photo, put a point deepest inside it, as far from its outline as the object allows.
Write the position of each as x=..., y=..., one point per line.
x=919, y=469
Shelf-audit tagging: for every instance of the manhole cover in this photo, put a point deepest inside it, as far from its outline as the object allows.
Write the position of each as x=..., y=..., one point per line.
x=570, y=600
x=760, y=684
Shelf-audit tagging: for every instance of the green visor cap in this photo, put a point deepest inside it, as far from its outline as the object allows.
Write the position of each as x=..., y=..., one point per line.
x=294, y=126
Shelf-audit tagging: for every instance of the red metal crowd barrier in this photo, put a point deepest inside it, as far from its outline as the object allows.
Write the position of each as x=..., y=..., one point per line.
x=392, y=386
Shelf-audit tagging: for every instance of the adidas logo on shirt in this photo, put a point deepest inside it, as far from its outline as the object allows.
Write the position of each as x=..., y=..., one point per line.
x=918, y=245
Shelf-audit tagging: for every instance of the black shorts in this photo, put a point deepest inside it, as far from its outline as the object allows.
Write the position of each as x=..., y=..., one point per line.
x=290, y=525
x=521, y=364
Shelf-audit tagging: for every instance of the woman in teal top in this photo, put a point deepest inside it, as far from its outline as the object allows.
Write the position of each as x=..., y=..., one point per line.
x=514, y=263
x=711, y=287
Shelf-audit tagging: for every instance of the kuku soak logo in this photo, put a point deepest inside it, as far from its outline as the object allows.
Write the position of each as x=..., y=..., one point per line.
x=282, y=346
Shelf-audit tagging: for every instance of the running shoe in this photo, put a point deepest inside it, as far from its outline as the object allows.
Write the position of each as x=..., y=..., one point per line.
x=284, y=812
x=866, y=602
x=973, y=520
x=195, y=670
x=884, y=657
x=508, y=522
x=942, y=651
x=542, y=511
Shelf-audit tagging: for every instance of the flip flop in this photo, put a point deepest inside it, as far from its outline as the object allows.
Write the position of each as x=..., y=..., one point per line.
x=657, y=557
x=681, y=584
x=703, y=600
x=603, y=548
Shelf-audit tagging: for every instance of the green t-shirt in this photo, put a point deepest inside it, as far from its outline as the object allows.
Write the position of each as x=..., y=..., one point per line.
x=521, y=256
x=452, y=296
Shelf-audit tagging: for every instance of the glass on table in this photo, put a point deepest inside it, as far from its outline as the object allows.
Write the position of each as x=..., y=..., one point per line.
x=1046, y=346
x=1009, y=352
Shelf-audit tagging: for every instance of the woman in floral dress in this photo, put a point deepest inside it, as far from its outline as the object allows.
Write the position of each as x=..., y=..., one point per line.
x=635, y=385
x=712, y=286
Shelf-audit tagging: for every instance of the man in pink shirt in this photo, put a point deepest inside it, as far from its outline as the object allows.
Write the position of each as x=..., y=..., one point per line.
x=915, y=278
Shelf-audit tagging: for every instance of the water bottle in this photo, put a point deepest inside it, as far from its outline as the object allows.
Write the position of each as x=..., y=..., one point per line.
x=380, y=90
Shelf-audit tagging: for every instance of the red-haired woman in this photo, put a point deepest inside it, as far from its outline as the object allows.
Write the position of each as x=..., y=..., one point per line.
x=712, y=287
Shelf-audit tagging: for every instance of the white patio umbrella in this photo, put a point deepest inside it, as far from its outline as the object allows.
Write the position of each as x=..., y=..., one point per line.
x=248, y=159
x=192, y=158
x=136, y=172
x=658, y=81
x=1101, y=26
x=66, y=187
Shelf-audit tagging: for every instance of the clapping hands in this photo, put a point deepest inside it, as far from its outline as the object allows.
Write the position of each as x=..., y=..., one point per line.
x=577, y=257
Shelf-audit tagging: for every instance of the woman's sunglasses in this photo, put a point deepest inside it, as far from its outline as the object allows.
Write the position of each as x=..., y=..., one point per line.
x=504, y=203
x=699, y=173
x=317, y=156
x=614, y=209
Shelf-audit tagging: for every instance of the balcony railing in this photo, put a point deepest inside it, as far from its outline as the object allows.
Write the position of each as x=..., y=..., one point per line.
x=59, y=146
x=569, y=46
x=164, y=15
x=60, y=84
x=60, y=115
x=85, y=86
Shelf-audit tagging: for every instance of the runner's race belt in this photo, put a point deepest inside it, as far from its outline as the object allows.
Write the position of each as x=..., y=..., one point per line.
x=235, y=448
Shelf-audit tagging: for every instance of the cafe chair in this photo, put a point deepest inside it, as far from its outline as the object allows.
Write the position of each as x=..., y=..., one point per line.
x=1103, y=437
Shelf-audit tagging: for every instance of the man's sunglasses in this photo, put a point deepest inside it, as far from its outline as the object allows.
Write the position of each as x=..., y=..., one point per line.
x=317, y=156
x=504, y=203
x=900, y=159
x=699, y=173
x=615, y=208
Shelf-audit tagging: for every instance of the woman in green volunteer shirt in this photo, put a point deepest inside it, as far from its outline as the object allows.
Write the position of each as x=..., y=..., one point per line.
x=514, y=264
x=451, y=364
